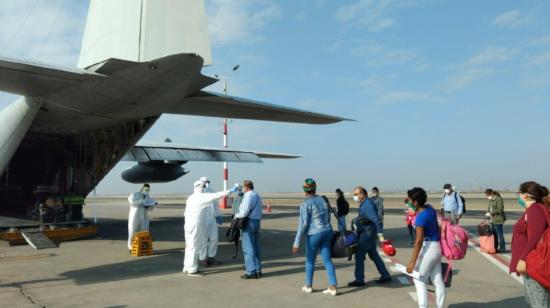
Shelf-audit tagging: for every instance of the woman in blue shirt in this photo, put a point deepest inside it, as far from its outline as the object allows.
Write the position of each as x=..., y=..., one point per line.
x=426, y=257
x=315, y=222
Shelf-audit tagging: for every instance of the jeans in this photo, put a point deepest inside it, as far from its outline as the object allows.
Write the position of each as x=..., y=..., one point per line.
x=498, y=231
x=251, y=247
x=411, y=233
x=535, y=294
x=342, y=223
x=367, y=245
x=320, y=242
x=429, y=265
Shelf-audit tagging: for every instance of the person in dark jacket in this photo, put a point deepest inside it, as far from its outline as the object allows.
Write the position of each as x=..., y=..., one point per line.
x=343, y=209
x=495, y=212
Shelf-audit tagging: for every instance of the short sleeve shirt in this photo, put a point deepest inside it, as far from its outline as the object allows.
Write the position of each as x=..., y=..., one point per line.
x=428, y=220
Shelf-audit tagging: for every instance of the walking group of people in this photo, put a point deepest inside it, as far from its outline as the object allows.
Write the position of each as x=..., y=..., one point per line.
x=202, y=218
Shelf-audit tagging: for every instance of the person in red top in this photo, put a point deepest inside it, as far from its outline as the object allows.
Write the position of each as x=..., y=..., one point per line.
x=527, y=232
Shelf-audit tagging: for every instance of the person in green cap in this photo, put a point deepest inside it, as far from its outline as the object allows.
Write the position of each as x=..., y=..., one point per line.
x=315, y=223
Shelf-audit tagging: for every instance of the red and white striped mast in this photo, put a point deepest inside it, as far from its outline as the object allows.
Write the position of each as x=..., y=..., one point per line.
x=225, y=144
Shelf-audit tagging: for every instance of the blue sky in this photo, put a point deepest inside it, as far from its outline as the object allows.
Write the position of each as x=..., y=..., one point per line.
x=442, y=91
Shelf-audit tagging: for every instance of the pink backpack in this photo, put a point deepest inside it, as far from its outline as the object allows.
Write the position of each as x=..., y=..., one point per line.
x=454, y=243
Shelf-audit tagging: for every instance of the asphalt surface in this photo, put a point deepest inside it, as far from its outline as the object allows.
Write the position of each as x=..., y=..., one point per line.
x=99, y=272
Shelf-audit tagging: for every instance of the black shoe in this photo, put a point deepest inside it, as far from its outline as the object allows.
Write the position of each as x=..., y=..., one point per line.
x=356, y=283
x=212, y=262
x=260, y=275
x=383, y=280
x=250, y=276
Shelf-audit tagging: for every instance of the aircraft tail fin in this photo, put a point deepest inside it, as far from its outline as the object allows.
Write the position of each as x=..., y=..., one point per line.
x=144, y=30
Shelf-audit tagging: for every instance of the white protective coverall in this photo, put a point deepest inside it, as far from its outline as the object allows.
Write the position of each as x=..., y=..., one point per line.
x=195, y=223
x=210, y=246
x=138, y=218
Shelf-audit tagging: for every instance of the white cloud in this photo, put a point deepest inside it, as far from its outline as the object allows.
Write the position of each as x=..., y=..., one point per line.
x=478, y=66
x=490, y=55
x=51, y=33
x=466, y=77
x=406, y=97
x=368, y=13
x=237, y=21
x=540, y=59
x=543, y=40
x=511, y=20
x=379, y=55
x=376, y=83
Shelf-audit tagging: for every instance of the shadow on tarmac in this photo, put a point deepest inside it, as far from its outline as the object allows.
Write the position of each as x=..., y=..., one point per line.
x=508, y=302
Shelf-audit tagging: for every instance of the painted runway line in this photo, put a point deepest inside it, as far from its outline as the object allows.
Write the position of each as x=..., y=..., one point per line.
x=498, y=260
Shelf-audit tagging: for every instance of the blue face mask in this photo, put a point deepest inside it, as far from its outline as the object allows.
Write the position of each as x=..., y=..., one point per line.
x=521, y=202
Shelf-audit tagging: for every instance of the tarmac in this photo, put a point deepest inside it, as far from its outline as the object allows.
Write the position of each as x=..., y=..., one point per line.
x=100, y=272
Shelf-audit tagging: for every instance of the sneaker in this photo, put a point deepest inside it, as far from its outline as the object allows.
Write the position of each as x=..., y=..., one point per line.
x=356, y=283
x=195, y=274
x=307, y=289
x=249, y=276
x=330, y=292
x=383, y=280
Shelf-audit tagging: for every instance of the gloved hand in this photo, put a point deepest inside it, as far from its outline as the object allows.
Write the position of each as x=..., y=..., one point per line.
x=219, y=220
x=381, y=237
x=234, y=189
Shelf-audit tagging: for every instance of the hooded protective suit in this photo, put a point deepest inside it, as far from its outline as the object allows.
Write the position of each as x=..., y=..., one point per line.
x=138, y=218
x=195, y=223
x=213, y=216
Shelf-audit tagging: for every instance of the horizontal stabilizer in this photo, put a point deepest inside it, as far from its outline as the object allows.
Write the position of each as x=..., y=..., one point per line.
x=33, y=79
x=160, y=151
x=213, y=105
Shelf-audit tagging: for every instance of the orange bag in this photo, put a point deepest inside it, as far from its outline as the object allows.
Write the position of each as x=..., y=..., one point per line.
x=487, y=244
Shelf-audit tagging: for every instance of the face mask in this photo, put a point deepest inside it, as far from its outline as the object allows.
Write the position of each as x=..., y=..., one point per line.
x=521, y=202
x=447, y=191
x=356, y=198
x=374, y=194
x=411, y=205
x=490, y=197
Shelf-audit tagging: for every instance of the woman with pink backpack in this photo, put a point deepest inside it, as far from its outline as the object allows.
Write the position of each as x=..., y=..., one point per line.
x=527, y=234
x=426, y=257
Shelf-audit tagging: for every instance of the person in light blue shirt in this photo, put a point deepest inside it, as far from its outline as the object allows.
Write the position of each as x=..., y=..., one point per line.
x=452, y=204
x=368, y=227
x=251, y=208
x=315, y=223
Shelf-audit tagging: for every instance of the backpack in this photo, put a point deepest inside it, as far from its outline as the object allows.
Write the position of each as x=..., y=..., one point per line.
x=454, y=243
x=538, y=260
x=233, y=234
x=461, y=199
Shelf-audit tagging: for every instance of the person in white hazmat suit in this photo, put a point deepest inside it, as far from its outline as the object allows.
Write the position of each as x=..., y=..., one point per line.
x=138, y=218
x=195, y=225
x=207, y=254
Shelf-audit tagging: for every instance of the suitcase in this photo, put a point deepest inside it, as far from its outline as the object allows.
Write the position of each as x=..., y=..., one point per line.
x=487, y=244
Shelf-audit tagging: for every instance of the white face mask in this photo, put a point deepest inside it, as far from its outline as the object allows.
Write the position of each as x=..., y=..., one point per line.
x=356, y=198
x=374, y=194
x=447, y=191
x=490, y=197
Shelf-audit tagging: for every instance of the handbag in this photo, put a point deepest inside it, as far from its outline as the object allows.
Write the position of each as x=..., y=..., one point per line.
x=538, y=260
x=344, y=244
x=484, y=229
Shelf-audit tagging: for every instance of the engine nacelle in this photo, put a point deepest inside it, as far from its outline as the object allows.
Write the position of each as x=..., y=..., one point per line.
x=154, y=172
